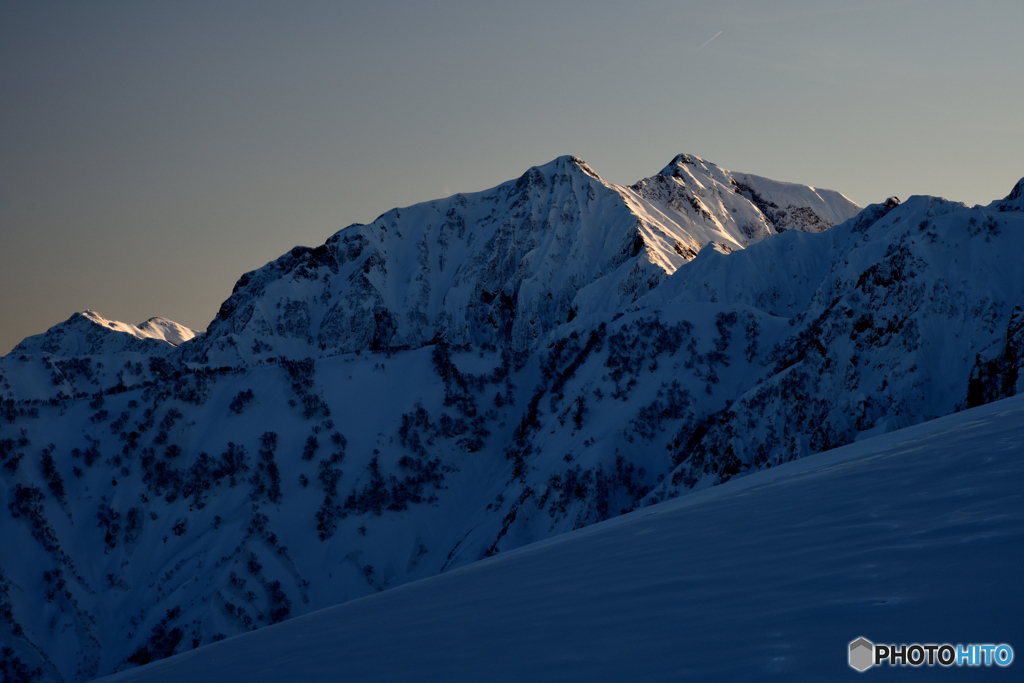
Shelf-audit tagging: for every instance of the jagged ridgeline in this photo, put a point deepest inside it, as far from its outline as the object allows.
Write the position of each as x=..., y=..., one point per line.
x=466, y=376
x=505, y=267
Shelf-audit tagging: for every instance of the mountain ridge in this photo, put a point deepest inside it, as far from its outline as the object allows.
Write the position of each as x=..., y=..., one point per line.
x=89, y=333
x=158, y=501
x=568, y=244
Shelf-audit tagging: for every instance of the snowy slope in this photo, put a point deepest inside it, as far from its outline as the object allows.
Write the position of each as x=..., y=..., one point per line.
x=912, y=537
x=734, y=210
x=168, y=330
x=790, y=206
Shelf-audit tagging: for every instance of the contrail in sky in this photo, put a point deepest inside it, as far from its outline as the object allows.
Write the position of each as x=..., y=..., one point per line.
x=708, y=41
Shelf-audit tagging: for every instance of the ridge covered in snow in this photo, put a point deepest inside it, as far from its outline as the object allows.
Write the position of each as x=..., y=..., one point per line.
x=168, y=330
x=465, y=377
x=91, y=350
x=506, y=266
x=88, y=333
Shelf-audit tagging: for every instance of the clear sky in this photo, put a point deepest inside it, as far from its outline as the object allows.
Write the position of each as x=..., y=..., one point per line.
x=152, y=152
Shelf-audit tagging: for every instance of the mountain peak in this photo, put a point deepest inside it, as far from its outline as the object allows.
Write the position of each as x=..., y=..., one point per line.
x=502, y=267
x=171, y=332
x=567, y=163
x=89, y=333
x=680, y=161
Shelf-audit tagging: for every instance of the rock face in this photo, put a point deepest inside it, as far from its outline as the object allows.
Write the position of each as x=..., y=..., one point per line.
x=463, y=377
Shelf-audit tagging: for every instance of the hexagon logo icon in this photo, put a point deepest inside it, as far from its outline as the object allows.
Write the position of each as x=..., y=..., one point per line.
x=862, y=654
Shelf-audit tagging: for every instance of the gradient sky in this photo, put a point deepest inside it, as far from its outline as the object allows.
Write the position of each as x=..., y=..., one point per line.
x=150, y=153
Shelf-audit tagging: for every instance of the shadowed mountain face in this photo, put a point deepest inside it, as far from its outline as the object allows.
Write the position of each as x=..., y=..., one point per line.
x=463, y=377
x=775, y=561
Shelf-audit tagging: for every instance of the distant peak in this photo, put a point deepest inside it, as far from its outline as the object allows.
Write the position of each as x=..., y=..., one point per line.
x=680, y=160
x=684, y=159
x=569, y=162
x=92, y=316
x=569, y=159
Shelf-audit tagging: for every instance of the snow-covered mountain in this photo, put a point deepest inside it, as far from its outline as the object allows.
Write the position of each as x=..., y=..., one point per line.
x=89, y=334
x=504, y=267
x=464, y=377
x=86, y=353
x=770, y=576
x=898, y=316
